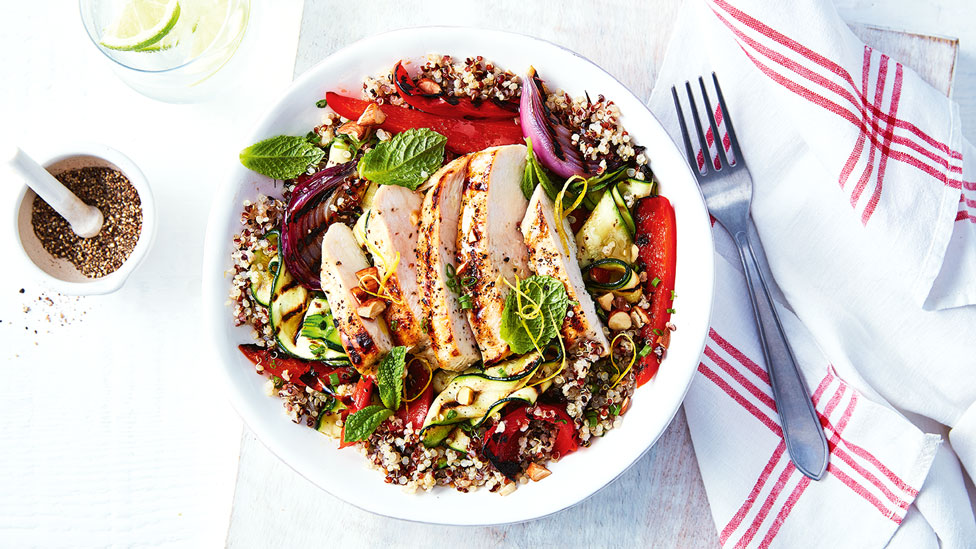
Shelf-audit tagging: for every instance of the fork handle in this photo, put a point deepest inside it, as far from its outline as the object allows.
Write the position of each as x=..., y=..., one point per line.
x=802, y=432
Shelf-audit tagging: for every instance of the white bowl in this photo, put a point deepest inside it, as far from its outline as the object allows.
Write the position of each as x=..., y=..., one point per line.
x=345, y=473
x=60, y=274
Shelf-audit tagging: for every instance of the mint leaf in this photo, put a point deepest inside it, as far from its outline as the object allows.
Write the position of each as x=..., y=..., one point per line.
x=359, y=425
x=389, y=377
x=281, y=157
x=534, y=175
x=520, y=327
x=406, y=160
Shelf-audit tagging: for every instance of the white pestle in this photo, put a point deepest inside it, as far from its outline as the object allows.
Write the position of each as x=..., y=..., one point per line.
x=86, y=221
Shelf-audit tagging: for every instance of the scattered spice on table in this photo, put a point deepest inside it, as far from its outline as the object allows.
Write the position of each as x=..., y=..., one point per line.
x=112, y=193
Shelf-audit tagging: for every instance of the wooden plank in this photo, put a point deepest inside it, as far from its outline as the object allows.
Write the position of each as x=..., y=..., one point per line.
x=932, y=57
x=661, y=500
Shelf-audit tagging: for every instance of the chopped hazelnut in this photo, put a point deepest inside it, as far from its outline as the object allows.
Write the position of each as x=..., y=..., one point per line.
x=639, y=316
x=605, y=301
x=369, y=278
x=465, y=396
x=371, y=308
x=360, y=294
x=428, y=86
x=372, y=116
x=537, y=472
x=619, y=321
x=624, y=406
x=352, y=129
x=620, y=302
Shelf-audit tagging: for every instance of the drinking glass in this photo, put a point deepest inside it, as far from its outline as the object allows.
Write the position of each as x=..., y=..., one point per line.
x=185, y=65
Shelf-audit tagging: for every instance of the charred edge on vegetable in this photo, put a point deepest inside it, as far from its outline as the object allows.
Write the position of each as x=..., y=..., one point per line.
x=510, y=469
x=556, y=146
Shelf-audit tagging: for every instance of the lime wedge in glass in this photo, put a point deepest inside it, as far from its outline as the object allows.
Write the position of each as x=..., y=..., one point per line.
x=141, y=24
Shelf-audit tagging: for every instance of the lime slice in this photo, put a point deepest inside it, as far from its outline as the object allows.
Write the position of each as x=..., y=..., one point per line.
x=207, y=24
x=141, y=24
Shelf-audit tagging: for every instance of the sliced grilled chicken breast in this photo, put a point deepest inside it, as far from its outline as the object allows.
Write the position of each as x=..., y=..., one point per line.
x=365, y=340
x=392, y=228
x=548, y=257
x=452, y=343
x=489, y=243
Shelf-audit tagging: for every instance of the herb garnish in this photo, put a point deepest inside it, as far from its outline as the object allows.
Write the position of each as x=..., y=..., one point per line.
x=453, y=284
x=281, y=157
x=389, y=377
x=360, y=425
x=407, y=159
x=534, y=175
x=534, y=311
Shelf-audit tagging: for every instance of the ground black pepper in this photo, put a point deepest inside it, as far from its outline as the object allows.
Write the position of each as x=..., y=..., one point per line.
x=109, y=191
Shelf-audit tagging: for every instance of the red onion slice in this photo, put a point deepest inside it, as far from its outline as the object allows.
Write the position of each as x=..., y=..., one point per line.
x=551, y=141
x=306, y=220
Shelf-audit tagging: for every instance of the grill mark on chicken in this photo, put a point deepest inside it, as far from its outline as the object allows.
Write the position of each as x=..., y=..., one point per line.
x=486, y=236
x=452, y=342
x=393, y=210
x=548, y=257
x=364, y=340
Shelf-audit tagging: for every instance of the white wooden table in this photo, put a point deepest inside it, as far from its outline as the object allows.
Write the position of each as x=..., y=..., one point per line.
x=119, y=442
x=661, y=500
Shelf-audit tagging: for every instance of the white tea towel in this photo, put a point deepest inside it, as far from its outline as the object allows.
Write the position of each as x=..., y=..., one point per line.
x=878, y=459
x=865, y=207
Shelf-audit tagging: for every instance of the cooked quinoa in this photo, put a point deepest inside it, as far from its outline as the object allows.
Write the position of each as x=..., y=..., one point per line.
x=474, y=78
x=258, y=218
x=598, y=134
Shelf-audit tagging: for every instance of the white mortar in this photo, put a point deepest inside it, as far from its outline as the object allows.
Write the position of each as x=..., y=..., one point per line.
x=60, y=274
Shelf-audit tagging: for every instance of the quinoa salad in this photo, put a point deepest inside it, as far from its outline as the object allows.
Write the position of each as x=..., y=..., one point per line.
x=465, y=275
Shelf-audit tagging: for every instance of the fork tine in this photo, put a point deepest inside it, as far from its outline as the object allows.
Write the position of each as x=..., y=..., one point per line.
x=711, y=121
x=698, y=127
x=728, y=121
x=689, y=150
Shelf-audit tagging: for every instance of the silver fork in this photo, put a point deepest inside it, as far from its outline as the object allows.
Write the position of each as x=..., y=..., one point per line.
x=728, y=195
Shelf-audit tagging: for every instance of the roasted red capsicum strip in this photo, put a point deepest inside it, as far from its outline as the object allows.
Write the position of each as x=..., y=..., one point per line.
x=362, y=396
x=454, y=107
x=657, y=250
x=300, y=372
x=502, y=447
x=415, y=411
x=463, y=136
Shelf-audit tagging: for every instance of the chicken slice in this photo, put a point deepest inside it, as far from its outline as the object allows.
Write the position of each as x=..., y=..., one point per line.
x=452, y=342
x=392, y=228
x=490, y=245
x=548, y=257
x=365, y=340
